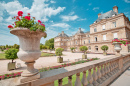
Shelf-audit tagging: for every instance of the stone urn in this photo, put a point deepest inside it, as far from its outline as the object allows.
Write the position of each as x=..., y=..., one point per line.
x=29, y=48
x=117, y=47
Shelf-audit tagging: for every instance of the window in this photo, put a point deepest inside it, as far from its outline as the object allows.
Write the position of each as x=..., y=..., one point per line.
x=61, y=39
x=61, y=43
x=76, y=42
x=95, y=30
x=88, y=41
x=88, y=35
x=104, y=37
x=115, y=35
x=84, y=42
x=103, y=27
x=89, y=48
x=96, y=48
x=95, y=39
x=114, y=24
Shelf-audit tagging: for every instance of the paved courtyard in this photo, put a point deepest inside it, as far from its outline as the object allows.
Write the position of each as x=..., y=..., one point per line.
x=48, y=61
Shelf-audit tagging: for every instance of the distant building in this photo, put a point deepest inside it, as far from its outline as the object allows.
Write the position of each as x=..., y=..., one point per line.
x=107, y=27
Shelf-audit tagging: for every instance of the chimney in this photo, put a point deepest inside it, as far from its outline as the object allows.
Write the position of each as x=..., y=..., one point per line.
x=99, y=14
x=62, y=32
x=115, y=9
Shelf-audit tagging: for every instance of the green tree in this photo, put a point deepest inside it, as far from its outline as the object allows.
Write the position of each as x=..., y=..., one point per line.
x=104, y=47
x=83, y=48
x=6, y=46
x=11, y=54
x=72, y=48
x=50, y=43
x=59, y=51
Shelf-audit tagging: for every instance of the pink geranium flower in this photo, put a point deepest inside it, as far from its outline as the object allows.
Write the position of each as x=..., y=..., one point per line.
x=10, y=26
x=43, y=25
x=39, y=21
x=27, y=17
x=20, y=13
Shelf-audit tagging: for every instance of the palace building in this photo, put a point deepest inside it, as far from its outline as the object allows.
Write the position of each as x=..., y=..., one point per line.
x=107, y=27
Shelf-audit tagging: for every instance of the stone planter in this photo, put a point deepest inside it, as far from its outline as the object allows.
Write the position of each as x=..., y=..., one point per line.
x=104, y=53
x=84, y=56
x=60, y=59
x=11, y=66
x=117, y=48
x=29, y=48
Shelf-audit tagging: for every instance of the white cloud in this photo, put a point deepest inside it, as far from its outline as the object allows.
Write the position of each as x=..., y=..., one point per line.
x=127, y=1
x=69, y=18
x=96, y=8
x=52, y=1
x=39, y=9
x=82, y=19
x=90, y=4
x=71, y=13
x=62, y=25
x=1, y=19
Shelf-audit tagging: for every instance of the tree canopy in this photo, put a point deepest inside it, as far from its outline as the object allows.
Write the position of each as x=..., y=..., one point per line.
x=50, y=43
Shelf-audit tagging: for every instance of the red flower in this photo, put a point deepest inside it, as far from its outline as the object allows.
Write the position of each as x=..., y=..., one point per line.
x=14, y=23
x=39, y=21
x=20, y=13
x=10, y=26
x=17, y=18
x=43, y=25
x=27, y=17
x=28, y=13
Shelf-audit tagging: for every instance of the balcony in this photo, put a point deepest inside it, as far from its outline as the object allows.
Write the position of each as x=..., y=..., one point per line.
x=100, y=73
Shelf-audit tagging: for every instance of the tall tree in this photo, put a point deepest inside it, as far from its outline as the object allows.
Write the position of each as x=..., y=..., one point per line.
x=50, y=43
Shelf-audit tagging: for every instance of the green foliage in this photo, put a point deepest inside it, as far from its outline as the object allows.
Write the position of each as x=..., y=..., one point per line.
x=59, y=51
x=83, y=48
x=24, y=23
x=16, y=46
x=104, y=47
x=72, y=48
x=50, y=43
x=11, y=54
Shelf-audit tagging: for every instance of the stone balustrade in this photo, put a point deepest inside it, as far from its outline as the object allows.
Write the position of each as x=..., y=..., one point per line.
x=100, y=73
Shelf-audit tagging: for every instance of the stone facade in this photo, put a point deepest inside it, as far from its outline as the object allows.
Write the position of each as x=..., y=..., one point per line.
x=108, y=26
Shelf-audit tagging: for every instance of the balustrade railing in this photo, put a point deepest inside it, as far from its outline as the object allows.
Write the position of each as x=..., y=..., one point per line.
x=100, y=73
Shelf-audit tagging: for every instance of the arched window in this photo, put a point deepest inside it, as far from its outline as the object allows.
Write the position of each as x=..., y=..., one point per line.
x=89, y=48
x=96, y=48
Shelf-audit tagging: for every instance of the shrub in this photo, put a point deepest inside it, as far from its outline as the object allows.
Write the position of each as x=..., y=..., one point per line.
x=104, y=47
x=83, y=48
x=11, y=54
x=59, y=51
x=72, y=48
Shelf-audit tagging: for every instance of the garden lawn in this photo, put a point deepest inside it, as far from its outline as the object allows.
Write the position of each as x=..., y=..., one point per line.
x=2, y=55
x=46, y=54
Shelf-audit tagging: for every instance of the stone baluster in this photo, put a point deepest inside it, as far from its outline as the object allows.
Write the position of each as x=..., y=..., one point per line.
x=109, y=71
x=102, y=73
x=99, y=75
x=116, y=65
x=78, y=82
x=112, y=67
x=84, y=79
x=105, y=71
x=90, y=78
x=70, y=80
x=95, y=77
x=60, y=82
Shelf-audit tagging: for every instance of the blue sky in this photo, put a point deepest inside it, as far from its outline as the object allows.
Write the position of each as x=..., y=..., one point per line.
x=58, y=15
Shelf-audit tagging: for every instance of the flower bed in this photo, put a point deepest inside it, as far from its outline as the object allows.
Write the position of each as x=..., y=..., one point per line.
x=13, y=75
x=125, y=42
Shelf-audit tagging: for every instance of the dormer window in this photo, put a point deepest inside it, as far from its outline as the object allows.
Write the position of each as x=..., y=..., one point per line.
x=113, y=14
x=95, y=30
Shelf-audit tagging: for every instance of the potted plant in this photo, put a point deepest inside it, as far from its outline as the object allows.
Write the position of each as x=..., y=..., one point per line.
x=104, y=48
x=117, y=45
x=11, y=54
x=29, y=33
x=72, y=49
x=59, y=53
x=84, y=49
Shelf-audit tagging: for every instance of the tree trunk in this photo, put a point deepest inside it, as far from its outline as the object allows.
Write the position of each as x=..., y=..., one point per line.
x=12, y=60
